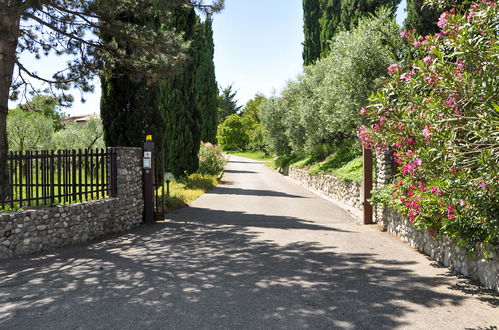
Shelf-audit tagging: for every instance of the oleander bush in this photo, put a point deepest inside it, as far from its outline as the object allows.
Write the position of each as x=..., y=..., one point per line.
x=211, y=160
x=440, y=115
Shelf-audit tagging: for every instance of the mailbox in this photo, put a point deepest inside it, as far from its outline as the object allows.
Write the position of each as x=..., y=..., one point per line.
x=147, y=160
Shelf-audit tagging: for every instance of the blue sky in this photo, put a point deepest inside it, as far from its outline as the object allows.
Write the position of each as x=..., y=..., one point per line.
x=258, y=48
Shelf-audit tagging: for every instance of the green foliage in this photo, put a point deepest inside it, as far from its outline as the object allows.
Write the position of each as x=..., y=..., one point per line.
x=79, y=136
x=206, y=88
x=351, y=171
x=440, y=114
x=227, y=103
x=324, y=19
x=29, y=130
x=47, y=105
x=178, y=103
x=321, y=107
x=311, y=30
x=232, y=134
x=251, y=121
x=340, y=156
x=421, y=17
x=211, y=160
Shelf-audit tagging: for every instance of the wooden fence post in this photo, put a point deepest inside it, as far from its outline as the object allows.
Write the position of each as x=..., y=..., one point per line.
x=367, y=185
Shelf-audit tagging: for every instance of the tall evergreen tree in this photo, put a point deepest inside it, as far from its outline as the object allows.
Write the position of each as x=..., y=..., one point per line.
x=206, y=83
x=323, y=19
x=421, y=17
x=178, y=103
x=311, y=30
x=330, y=23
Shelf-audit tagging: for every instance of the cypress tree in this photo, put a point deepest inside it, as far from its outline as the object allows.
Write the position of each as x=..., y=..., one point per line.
x=206, y=83
x=323, y=19
x=312, y=31
x=421, y=18
x=330, y=23
x=178, y=103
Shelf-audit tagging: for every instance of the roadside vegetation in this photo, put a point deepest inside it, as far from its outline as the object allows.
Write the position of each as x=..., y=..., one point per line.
x=184, y=190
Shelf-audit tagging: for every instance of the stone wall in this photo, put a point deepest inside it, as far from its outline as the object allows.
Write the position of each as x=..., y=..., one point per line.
x=346, y=192
x=444, y=250
x=43, y=229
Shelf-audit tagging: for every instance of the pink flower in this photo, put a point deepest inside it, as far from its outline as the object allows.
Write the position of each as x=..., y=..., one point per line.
x=483, y=185
x=428, y=60
x=407, y=76
x=442, y=20
x=418, y=161
x=431, y=80
x=451, y=101
x=393, y=68
x=435, y=191
x=426, y=134
x=462, y=202
x=364, y=137
x=470, y=15
x=382, y=120
x=451, y=216
x=363, y=111
x=411, y=141
x=405, y=34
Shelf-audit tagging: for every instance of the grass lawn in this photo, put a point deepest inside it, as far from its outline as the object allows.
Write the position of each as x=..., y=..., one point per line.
x=255, y=155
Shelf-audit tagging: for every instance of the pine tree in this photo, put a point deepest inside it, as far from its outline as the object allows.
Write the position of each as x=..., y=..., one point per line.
x=129, y=100
x=227, y=103
x=206, y=84
x=178, y=103
x=311, y=31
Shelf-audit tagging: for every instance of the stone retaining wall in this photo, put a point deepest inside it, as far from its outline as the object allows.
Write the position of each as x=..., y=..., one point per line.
x=346, y=192
x=445, y=251
x=43, y=229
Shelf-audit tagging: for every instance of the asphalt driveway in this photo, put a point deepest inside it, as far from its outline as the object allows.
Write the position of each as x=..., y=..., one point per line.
x=257, y=252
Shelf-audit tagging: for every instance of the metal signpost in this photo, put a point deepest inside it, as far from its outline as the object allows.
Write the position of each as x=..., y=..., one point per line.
x=148, y=173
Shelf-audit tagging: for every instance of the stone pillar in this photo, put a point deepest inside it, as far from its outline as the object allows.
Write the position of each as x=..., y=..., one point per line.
x=385, y=170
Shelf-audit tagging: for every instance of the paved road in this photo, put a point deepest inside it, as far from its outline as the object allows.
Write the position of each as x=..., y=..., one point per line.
x=257, y=252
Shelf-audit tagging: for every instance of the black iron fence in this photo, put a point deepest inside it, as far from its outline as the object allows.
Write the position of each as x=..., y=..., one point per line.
x=44, y=178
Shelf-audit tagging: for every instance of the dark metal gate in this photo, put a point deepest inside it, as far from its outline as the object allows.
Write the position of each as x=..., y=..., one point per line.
x=154, y=167
x=159, y=185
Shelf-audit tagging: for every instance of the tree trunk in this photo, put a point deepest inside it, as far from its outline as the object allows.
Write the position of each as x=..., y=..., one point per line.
x=9, y=30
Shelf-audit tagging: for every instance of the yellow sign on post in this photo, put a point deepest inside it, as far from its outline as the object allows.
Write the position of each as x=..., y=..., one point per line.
x=148, y=137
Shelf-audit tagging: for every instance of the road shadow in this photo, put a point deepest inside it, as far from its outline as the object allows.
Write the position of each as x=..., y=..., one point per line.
x=253, y=192
x=242, y=219
x=195, y=276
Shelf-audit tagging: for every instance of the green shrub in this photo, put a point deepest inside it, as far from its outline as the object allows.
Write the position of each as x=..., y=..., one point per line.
x=211, y=160
x=232, y=135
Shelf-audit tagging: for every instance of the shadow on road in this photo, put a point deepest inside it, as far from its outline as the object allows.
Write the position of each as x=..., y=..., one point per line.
x=242, y=219
x=254, y=192
x=197, y=276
